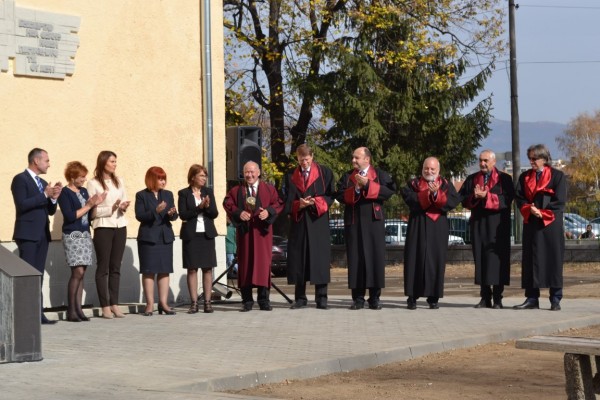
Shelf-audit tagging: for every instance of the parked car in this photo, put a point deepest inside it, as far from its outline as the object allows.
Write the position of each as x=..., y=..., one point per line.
x=395, y=234
x=279, y=252
x=336, y=231
x=278, y=261
x=459, y=226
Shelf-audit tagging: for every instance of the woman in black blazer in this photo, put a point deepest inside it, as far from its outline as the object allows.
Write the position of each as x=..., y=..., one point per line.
x=198, y=209
x=155, y=209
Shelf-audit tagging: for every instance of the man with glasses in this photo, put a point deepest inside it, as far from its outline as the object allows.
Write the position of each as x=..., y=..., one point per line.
x=253, y=206
x=540, y=196
x=489, y=194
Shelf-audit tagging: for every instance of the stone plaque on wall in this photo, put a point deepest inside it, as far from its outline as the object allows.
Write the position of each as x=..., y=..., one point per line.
x=42, y=44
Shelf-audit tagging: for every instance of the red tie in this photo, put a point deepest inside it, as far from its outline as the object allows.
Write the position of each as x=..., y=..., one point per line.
x=305, y=173
x=252, y=191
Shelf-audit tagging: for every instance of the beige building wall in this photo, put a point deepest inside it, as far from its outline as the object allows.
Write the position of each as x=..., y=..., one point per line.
x=136, y=90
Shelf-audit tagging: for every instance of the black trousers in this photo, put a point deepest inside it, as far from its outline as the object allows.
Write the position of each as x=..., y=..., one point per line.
x=262, y=295
x=320, y=293
x=109, y=244
x=488, y=292
x=533, y=294
x=358, y=295
x=34, y=253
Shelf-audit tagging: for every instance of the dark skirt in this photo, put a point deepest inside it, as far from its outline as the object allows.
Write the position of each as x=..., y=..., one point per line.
x=155, y=258
x=199, y=252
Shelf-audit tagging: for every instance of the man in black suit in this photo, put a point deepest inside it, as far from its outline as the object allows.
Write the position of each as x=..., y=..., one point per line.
x=35, y=200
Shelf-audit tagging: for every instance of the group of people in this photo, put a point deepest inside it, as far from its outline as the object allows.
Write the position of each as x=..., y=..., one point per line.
x=540, y=197
x=307, y=193
x=103, y=206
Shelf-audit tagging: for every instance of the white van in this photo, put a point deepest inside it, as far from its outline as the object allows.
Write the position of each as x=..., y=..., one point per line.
x=395, y=234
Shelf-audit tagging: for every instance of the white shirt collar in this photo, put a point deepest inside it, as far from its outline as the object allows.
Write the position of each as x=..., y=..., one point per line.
x=33, y=174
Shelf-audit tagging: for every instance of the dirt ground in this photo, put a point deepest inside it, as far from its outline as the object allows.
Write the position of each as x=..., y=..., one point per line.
x=494, y=371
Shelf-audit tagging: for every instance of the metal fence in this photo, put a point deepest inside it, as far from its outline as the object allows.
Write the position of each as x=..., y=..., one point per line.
x=577, y=217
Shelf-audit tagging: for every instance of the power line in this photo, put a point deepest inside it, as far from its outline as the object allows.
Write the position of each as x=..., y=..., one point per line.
x=568, y=7
x=560, y=62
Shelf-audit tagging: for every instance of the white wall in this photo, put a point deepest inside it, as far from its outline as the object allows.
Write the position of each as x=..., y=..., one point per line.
x=57, y=275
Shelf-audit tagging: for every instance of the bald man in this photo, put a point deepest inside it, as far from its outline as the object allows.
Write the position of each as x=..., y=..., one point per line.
x=489, y=194
x=253, y=206
x=429, y=199
x=363, y=191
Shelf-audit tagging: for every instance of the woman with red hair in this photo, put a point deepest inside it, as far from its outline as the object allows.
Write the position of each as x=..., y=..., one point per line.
x=77, y=208
x=155, y=209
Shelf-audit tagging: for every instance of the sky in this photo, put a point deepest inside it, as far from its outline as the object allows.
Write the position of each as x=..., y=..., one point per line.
x=558, y=61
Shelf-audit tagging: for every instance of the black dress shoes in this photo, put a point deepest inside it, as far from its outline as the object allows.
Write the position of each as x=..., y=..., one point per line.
x=375, y=305
x=528, y=305
x=357, y=305
x=434, y=306
x=555, y=307
x=322, y=306
x=46, y=321
x=484, y=304
x=411, y=304
x=266, y=307
x=298, y=304
x=497, y=305
x=246, y=308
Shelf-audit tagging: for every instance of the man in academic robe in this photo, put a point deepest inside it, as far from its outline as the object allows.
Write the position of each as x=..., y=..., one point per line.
x=252, y=207
x=363, y=191
x=429, y=199
x=540, y=196
x=489, y=194
x=308, y=192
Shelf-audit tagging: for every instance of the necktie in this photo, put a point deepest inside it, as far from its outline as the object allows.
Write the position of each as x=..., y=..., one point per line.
x=537, y=175
x=252, y=191
x=362, y=173
x=39, y=184
x=486, y=178
x=305, y=174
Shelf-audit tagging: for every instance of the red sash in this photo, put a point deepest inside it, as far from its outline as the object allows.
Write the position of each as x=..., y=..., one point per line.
x=298, y=180
x=431, y=206
x=532, y=188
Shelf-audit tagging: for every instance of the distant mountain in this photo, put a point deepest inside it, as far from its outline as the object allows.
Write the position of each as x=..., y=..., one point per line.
x=500, y=140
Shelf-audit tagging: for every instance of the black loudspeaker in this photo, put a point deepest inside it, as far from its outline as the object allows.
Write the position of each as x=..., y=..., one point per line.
x=244, y=143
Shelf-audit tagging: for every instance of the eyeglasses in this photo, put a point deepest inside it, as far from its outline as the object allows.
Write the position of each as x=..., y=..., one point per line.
x=534, y=158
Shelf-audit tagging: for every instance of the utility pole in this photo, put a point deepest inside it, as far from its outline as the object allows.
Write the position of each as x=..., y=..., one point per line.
x=514, y=110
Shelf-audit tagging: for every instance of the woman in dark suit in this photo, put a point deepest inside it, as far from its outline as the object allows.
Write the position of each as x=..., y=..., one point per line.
x=198, y=210
x=155, y=209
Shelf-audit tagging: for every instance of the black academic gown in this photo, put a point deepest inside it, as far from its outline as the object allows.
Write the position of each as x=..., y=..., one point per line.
x=364, y=221
x=309, y=244
x=426, y=245
x=490, y=226
x=543, y=239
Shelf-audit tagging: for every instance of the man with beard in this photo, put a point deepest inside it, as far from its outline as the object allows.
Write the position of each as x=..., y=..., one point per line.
x=429, y=199
x=308, y=191
x=253, y=207
x=363, y=190
x=489, y=194
x=541, y=196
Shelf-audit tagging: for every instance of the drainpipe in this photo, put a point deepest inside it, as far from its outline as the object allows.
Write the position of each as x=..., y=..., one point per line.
x=207, y=104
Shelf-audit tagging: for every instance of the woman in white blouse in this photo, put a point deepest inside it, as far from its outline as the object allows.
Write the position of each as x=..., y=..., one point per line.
x=110, y=232
x=197, y=210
